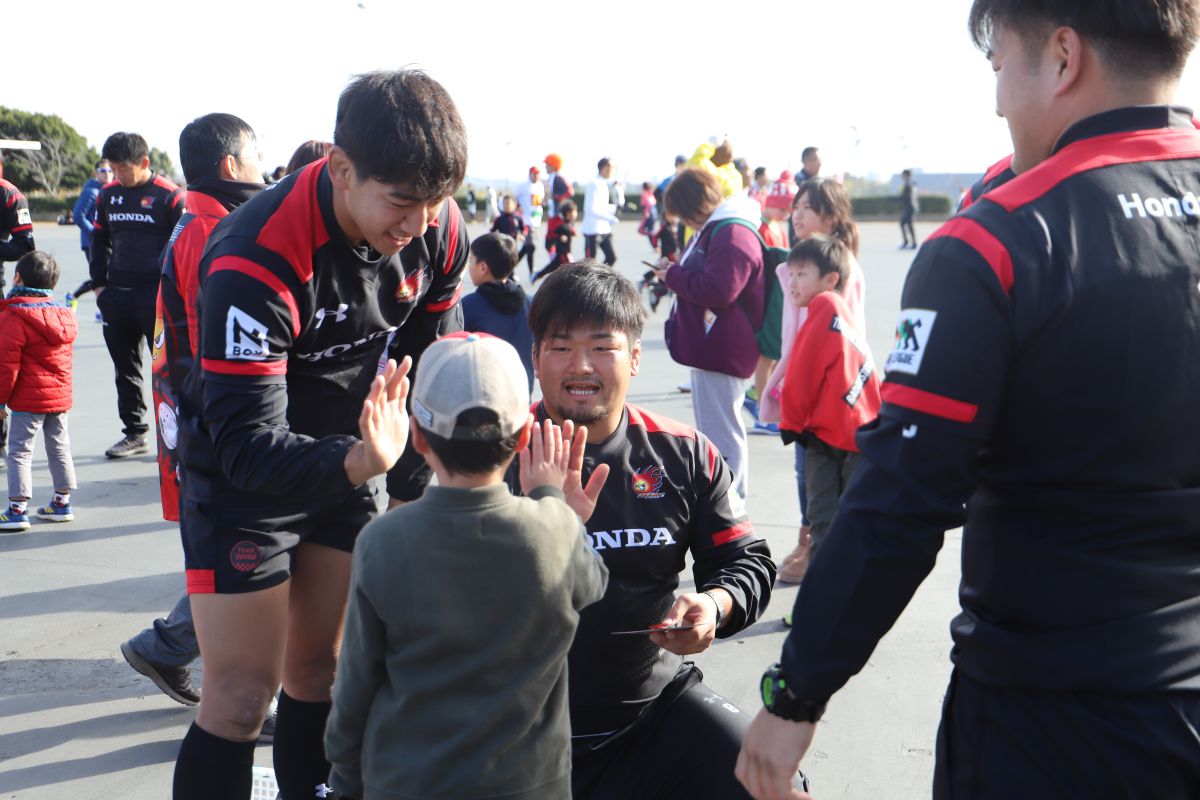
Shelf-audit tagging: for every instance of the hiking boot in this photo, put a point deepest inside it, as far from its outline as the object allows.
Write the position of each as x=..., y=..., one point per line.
x=175, y=682
x=795, y=563
x=13, y=521
x=129, y=446
x=55, y=512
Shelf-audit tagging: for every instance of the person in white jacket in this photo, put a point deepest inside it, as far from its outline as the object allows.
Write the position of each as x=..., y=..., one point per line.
x=599, y=214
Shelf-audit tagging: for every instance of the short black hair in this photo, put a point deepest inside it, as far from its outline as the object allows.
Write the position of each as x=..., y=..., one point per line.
x=38, y=270
x=489, y=452
x=601, y=164
x=1143, y=38
x=808, y=151
x=125, y=148
x=826, y=253
x=586, y=292
x=498, y=251
x=100, y=162
x=402, y=127
x=566, y=205
x=206, y=140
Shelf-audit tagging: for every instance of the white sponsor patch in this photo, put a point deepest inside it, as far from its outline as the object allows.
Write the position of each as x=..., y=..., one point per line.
x=245, y=337
x=168, y=425
x=912, y=337
x=23, y=216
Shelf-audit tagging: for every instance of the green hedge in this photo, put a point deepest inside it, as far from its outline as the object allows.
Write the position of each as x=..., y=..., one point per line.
x=47, y=207
x=889, y=205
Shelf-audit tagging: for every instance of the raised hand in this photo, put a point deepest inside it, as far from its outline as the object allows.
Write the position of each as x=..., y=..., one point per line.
x=382, y=425
x=544, y=462
x=581, y=499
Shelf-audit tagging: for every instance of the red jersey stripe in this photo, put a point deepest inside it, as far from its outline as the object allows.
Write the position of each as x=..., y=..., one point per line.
x=984, y=242
x=244, y=367
x=453, y=216
x=656, y=423
x=263, y=275
x=445, y=304
x=1095, y=153
x=201, y=581
x=928, y=403
x=730, y=534
x=297, y=229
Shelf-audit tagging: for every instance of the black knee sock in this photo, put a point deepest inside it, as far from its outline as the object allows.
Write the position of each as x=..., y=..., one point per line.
x=208, y=766
x=300, y=765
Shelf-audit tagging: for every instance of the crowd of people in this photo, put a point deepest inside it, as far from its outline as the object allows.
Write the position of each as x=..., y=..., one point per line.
x=513, y=625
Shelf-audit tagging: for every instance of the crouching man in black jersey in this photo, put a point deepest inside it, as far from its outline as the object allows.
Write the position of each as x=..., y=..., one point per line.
x=644, y=725
x=1064, y=444
x=310, y=292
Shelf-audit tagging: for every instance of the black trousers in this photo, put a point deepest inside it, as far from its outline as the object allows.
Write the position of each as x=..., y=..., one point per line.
x=999, y=742
x=906, y=228
x=684, y=746
x=604, y=242
x=527, y=251
x=128, y=321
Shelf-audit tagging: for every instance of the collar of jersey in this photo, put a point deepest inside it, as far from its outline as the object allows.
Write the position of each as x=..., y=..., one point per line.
x=1124, y=120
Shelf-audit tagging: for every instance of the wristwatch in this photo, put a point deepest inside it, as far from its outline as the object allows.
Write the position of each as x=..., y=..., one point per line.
x=780, y=701
x=717, y=603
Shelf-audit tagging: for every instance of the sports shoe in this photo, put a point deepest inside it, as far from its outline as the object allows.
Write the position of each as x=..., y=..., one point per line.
x=175, y=682
x=787, y=620
x=750, y=403
x=267, y=734
x=129, y=446
x=765, y=428
x=55, y=512
x=686, y=388
x=795, y=563
x=12, y=520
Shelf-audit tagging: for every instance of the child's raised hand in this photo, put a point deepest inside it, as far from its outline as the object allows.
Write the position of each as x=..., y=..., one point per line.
x=383, y=424
x=544, y=462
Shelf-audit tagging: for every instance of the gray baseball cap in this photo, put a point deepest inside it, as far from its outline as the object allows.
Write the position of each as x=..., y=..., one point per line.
x=469, y=370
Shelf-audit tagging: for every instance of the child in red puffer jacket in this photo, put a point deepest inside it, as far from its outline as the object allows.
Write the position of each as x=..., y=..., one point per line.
x=36, y=334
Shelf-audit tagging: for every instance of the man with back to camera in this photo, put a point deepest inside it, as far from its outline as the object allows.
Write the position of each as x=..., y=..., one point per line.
x=134, y=219
x=644, y=724
x=1022, y=406
x=221, y=162
x=309, y=294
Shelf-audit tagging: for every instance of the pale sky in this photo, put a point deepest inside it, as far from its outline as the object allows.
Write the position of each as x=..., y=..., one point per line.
x=879, y=85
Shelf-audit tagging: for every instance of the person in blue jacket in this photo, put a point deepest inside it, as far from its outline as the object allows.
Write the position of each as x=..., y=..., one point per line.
x=85, y=206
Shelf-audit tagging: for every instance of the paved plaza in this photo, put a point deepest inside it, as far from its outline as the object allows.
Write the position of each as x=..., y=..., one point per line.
x=77, y=722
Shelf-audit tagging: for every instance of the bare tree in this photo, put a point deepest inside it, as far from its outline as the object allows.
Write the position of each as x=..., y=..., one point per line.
x=47, y=166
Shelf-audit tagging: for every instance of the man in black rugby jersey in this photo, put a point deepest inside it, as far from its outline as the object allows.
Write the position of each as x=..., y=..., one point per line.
x=644, y=724
x=134, y=218
x=1045, y=400
x=310, y=293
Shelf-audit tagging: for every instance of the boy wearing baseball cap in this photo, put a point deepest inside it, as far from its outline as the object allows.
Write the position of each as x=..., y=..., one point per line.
x=463, y=604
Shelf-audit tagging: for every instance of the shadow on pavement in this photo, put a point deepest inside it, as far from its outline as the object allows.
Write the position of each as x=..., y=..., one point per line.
x=143, y=593
x=141, y=755
x=52, y=534
x=24, y=742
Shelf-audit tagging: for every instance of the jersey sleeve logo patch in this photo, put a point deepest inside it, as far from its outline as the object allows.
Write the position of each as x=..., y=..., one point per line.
x=912, y=337
x=245, y=337
x=23, y=217
x=148, y=201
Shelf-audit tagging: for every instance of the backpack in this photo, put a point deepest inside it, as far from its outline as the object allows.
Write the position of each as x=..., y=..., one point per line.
x=770, y=335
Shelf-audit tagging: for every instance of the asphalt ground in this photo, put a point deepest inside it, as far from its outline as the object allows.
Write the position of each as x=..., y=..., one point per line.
x=77, y=722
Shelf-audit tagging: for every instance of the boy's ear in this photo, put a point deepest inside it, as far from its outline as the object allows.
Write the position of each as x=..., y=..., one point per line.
x=830, y=281
x=523, y=436
x=419, y=442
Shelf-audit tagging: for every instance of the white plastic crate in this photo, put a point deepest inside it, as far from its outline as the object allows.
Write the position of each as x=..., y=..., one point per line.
x=263, y=786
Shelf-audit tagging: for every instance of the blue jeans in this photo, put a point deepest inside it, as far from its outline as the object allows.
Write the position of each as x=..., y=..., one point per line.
x=169, y=642
x=800, y=483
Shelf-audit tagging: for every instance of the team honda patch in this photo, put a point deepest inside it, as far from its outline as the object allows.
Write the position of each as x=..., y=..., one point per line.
x=245, y=337
x=647, y=483
x=245, y=556
x=912, y=337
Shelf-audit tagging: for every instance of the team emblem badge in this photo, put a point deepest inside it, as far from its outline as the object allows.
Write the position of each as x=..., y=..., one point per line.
x=647, y=483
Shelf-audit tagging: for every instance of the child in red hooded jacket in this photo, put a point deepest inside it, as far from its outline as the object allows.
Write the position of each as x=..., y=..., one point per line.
x=831, y=388
x=36, y=334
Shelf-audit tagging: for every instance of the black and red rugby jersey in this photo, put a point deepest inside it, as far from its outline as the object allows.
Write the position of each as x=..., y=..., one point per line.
x=295, y=322
x=669, y=493
x=997, y=174
x=1044, y=390
x=176, y=329
x=132, y=227
x=16, y=226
